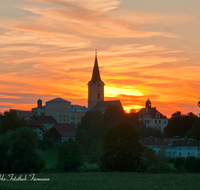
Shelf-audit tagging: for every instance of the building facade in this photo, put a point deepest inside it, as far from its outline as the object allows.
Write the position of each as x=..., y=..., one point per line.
x=173, y=147
x=151, y=117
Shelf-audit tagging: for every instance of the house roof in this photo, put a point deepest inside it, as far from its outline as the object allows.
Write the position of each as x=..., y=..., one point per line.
x=65, y=129
x=103, y=105
x=151, y=141
x=152, y=112
x=45, y=119
x=186, y=142
x=77, y=108
x=59, y=100
x=33, y=122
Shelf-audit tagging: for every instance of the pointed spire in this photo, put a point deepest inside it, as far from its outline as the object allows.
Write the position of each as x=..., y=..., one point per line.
x=96, y=74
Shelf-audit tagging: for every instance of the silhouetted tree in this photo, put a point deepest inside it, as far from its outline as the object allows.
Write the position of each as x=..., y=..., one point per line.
x=123, y=151
x=194, y=132
x=20, y=153
x=179, y=124
x=70, y=156
x=9, y=121
x=179, y=164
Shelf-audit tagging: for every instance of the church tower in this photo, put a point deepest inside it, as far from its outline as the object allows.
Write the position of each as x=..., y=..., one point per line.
x=95, y=86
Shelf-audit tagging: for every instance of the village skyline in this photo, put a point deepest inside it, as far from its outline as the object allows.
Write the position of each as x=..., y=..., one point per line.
x=144, y=51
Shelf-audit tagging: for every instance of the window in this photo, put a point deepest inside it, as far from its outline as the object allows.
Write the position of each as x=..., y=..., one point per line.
x=98, y=96
x=63, y=119
x=159, y=121
x=155, y=121
x=188, y=153
x=90, y=95
x=68, y=120
x=60, y=115
x=179, y=153
x=165, y=122
x=182, y=142
x=189, y=142
x=63, y=115
x=144, y=140
x=155, y=140
x=188, y=147
x=147, y=121
x=60, y=119
x=39, y=132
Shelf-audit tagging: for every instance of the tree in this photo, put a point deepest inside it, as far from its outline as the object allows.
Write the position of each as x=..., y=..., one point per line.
x=179, y=124
x=70, y=156
x=123, y=151
x=20, y=153
x=9, y=121
x=179, y=164
x=194, y=132
x=149, y=158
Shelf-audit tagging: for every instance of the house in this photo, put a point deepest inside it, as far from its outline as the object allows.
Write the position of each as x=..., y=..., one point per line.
x=35, y=125
x=151, y=117
x=61, y=132
x=173, y=147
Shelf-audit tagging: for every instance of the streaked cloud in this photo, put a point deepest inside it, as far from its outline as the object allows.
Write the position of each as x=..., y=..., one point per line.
x=47, y=50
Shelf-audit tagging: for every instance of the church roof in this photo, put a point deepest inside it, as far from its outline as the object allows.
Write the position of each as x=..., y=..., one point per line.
x=58, y=100
x=96, y=73
x=103, y=105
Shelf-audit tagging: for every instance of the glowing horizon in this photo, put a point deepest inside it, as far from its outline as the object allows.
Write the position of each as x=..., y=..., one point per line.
x=145, y=50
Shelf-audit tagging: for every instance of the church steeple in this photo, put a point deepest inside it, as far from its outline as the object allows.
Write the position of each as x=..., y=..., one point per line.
x=95, y=86
x=96, y=74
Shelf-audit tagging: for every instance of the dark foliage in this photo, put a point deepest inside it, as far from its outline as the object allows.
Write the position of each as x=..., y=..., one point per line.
x=179, y=124
x=194, y=132
x=70, y=156
x=179, y=164
x=19, y=150
x=9, y=121
x=190, y=164
x=123, y=151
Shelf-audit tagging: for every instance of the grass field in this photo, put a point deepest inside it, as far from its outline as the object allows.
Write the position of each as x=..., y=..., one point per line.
x=107, y=181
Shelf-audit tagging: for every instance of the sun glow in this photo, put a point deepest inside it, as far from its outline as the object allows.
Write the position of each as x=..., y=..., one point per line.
x=115, y=91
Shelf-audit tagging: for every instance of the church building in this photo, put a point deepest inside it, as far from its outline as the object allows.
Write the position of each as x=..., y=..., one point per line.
x=96, y=91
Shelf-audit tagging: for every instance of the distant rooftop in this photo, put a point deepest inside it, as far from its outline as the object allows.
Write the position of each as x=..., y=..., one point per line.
x=58, y=100
x=77, y=108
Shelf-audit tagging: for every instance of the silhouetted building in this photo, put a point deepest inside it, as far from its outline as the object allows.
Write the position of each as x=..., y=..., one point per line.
x=151, y=117
x=96, y=91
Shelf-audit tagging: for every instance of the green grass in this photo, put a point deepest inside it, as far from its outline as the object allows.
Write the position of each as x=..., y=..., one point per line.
x=107, y=181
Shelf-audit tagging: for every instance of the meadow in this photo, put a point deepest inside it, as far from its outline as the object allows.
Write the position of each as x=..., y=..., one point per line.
x=107, y=181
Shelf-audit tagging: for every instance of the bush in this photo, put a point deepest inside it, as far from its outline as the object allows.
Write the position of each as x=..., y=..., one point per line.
x=123, y=151
x=190, y=164
x=19, y=150
x=70, y=157
x=179, y=164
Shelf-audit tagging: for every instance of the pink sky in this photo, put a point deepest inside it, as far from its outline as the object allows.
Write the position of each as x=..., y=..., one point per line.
x=146, y=49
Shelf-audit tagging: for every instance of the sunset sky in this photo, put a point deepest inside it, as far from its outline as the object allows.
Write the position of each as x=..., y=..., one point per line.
x=146, y=49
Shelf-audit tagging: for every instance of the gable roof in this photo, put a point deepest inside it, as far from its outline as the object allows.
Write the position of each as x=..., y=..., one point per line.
x=65, y=129
x=33, y=122
x=59, y=100
x=45, y=119
x=103, y=105
x=152, y=112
